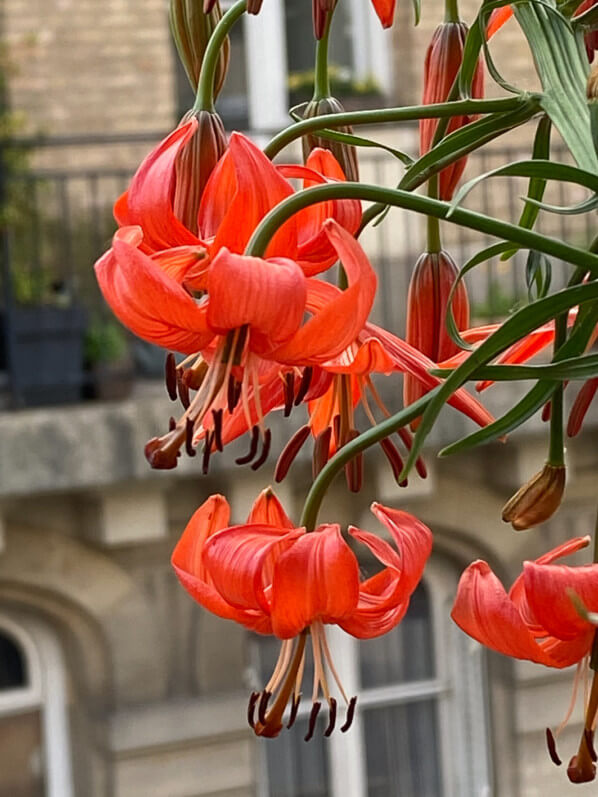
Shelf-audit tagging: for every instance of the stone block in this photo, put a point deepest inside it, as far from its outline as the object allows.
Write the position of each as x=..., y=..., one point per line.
x=126, y=515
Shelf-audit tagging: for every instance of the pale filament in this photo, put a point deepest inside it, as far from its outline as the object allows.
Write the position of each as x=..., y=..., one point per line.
x=576, y=680
x=330, y=663
x=319, y=674
x=282, y=663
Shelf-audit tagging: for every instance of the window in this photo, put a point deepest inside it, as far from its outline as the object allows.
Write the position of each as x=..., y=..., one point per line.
x=34, y=751
x=420, y=726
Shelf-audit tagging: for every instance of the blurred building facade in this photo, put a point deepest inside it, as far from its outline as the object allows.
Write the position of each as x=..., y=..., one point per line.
x=112, y=682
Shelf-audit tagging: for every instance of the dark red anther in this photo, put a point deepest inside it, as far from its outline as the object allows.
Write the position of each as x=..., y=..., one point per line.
x=170, y=376
x=289, y=452
x=255, y=436
x=332, y=716
x=253, y=697
x=321, y=451
x=294, y=710
x=171, y=424
x=265, y=451
x=289, y=393
x=313, y=716
x=350, y=715
x=589, y=737
x=263, y=706
x=162, y=452
x=207, y=450
x=336, y=425
x=233, y=393
x=189, y=427
x=217, y=418
x=547, y=411
x=394, y=459
x=183, y=391
x=304, y=385
x=551, y=744
x=354, y=468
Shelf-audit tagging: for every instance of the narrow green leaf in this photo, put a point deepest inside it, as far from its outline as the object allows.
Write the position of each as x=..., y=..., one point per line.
x=573, y=368
x=571, y=210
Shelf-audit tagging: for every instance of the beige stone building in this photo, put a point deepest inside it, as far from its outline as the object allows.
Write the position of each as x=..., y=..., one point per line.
x=112, y=682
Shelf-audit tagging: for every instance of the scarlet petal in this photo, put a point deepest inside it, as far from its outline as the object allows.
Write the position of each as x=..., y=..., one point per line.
x=385, y=10
x=497, y=19
x=146, y=300
x=211, y=517
x=548, y=590
x=268, y=295
x=237, y=560
x=148, y=202
x=484, y=611
x=318, y=577
x=268, y=510
x=339, y=321
x=241, y=190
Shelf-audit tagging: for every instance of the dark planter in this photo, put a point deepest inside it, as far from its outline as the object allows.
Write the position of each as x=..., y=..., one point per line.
x=111, y=381
x=43, y=348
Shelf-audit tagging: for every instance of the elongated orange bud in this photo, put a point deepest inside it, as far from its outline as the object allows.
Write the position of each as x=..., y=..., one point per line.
x=345, y=154
x=195, y=163
x=431, y=283
x=443, y=60
x=537, y=500
x=191, y=30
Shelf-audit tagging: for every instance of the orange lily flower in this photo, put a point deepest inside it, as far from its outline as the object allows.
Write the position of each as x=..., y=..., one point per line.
x=539, y=620
x=276, y=579
x=242, y=188
x=252, y=311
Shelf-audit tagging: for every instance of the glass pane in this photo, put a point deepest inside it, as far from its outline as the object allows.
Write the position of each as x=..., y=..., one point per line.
x=13, y=672
x=21, y=761
x=406, y=653
x=232, y=101
x=402, y=755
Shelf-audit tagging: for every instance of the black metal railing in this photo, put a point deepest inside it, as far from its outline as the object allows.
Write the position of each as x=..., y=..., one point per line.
x=58, y=221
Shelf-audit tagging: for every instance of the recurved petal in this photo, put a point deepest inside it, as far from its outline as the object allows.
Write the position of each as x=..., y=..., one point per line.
x=148, y=201
x=483, y=610
x=268, y=510
x=385, y=10
x=147, y=300
x=268, y=295
x=548, y=588
x=317, y=578
x=333, y=327
x=238, y=558
x=241, y=190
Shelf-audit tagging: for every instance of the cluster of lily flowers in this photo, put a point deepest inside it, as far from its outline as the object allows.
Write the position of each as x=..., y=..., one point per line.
x=265, y=334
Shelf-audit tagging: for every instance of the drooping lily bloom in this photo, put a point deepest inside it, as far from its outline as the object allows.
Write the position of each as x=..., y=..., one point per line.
x=242, y=188
x=277, y=579
x=427, y=303
x=443, y=61
x=252, y=312
x=538, y=620
x=332, y=391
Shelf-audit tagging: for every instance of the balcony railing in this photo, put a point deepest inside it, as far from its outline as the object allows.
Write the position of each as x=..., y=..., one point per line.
x=58, y=221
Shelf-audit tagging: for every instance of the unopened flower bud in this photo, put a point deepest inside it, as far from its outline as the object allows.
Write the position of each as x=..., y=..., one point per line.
x=537, y=500
x=345, y=154
x=443, y=61
x=431, y=282
x=191, y=29
x=195, y=163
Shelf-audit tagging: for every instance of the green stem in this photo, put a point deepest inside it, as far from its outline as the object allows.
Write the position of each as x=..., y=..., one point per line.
x=321, y=80
x=385, y=115
x=204, y=100
x=433, y=228
x=309, y=516
x=556, y=449
x=528, y=239
x=451, y=11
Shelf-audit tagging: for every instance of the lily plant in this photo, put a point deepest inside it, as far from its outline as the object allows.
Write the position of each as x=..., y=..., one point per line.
x=224, y=256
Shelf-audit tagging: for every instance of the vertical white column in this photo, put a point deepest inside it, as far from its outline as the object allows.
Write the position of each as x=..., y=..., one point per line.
x=371, y=46
x=267, y=68
x=347, y=750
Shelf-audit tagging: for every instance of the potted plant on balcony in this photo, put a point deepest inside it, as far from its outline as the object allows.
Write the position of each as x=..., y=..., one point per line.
x=108, y=360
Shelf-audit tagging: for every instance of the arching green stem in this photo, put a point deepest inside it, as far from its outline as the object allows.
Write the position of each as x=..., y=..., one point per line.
x=309, y=516
x=204, y=101
x=420, y=204
x=385, y=115
x=321, y=81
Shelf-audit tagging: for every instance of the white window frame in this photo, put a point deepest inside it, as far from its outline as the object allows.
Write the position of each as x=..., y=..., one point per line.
x=45, y=690
x=460, y=689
